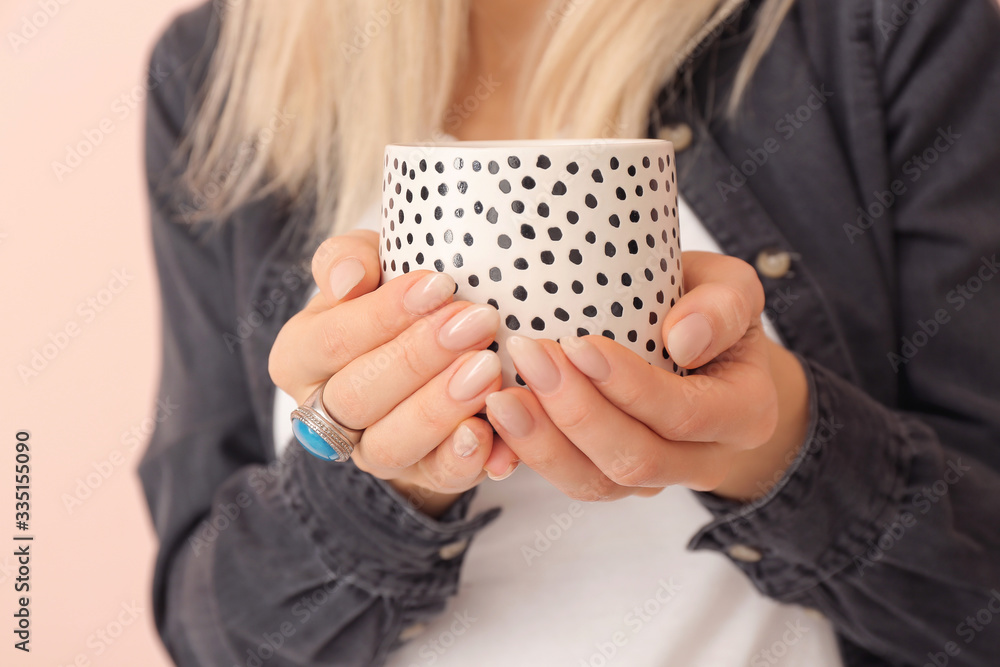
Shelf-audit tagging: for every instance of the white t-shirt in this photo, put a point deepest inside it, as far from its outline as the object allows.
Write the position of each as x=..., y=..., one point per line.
x=556, y=582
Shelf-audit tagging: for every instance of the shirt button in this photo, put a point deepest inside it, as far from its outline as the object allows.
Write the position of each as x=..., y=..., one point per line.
x=744, y=553
x=680, y=135
x=773, y=263
x=453, y=550
x=413, y=631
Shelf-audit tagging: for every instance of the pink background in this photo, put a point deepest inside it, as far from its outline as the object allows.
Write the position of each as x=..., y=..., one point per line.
x=61, y=242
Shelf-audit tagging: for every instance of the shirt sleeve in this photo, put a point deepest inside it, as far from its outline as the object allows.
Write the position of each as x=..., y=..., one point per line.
x=295, y=561
x=887, y=521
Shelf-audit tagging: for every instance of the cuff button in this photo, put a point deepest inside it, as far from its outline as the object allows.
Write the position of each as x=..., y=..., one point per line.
x=742, y=552
x=412, y=631
x=453, y=550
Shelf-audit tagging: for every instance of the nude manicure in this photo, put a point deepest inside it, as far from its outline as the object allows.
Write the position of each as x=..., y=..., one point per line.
x=586, y=357
x=475, y=375
x=510, y=414
x=689, y=338
x=428, y=293
x=345, y=276
x=469, y=327
x=464, y=441
x=534, y=364
x=505, y=474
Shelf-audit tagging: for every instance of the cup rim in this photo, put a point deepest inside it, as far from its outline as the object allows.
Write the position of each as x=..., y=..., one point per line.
x=532, y=143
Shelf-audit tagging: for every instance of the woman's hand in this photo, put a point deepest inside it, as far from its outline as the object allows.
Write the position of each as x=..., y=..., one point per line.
x=601, y=423
x=404, y=362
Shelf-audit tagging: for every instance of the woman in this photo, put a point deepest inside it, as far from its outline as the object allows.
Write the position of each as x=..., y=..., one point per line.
x=843, y=156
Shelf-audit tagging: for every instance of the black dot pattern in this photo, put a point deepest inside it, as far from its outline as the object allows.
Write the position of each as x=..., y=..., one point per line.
x=559, y=239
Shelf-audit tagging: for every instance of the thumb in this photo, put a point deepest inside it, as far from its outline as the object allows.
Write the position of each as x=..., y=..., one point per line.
x=346, y=266
x=724, y=299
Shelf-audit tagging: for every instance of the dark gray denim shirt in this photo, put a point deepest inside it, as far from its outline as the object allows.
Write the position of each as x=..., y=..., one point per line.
x=862, y=179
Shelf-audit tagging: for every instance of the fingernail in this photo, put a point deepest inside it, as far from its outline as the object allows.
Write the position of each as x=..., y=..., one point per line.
x=345, y=276
x=689, y=338
x=465, y=441
x=505, y=474
x=510, y=414
x=428, y=293
x=533, y=364
x=468, y=327
x=586, y=357
x=474, y=375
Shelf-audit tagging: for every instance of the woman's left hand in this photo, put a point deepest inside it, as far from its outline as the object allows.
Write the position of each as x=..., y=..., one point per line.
x=601, y=423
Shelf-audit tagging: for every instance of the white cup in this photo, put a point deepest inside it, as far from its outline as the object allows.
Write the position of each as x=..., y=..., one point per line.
x=562, y=237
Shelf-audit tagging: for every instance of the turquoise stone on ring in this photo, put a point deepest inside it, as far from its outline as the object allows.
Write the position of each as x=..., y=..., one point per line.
x=320, y=434
x=312, y=441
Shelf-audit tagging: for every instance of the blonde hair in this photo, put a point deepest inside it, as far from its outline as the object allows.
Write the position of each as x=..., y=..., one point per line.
x=302, y=96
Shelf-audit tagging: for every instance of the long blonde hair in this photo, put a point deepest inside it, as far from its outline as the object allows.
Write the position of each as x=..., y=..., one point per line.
x=302, y=96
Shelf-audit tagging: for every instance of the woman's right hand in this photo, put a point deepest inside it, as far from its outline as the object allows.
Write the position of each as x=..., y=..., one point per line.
x=405, y=363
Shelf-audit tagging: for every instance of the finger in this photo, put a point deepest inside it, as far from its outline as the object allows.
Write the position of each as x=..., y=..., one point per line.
x=723, y=298
x=625, y=449
x=345, y=266
x=317, y=342
x=711, y=406
x=502, y=461
x=457, y=463
x=425, y=418
x=524, y=425
x=372, y=384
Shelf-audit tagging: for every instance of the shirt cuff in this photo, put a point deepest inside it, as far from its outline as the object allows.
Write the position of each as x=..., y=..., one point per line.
x=848, y=480
x=371, y=536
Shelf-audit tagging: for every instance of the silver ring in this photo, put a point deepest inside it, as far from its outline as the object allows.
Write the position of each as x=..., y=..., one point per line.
x=319, y=433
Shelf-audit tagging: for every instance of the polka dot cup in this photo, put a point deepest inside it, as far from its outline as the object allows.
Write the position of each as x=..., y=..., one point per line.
x=562, y=237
